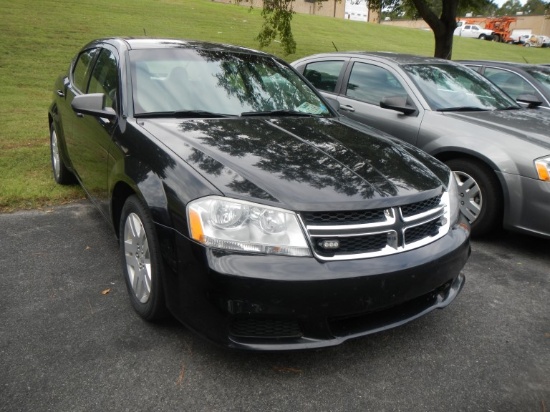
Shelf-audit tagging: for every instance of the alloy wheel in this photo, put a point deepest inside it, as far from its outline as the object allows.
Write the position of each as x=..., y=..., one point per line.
x=471, y=199
x=137, y=257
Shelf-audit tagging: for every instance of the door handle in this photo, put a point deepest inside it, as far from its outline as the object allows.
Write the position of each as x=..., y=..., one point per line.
x=60, y=93
x=347, y=108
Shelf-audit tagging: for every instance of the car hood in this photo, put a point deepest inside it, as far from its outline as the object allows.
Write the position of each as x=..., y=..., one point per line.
x=530, y=125
x=301, y=163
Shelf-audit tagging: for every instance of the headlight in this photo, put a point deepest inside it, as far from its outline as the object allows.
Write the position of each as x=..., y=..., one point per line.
x=238, y=225
x=454, y=201
x=543, y=168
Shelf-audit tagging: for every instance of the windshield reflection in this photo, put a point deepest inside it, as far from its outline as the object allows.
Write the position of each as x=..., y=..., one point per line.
x=450, y=87
x=217, y=82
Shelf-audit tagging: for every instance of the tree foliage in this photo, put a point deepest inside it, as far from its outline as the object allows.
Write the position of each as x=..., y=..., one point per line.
x=440, y=15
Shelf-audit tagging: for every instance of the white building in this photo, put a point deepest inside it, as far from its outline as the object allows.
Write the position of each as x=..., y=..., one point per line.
x=357, y=10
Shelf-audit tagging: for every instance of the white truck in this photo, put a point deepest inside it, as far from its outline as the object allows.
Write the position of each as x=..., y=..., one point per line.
x=474, y=31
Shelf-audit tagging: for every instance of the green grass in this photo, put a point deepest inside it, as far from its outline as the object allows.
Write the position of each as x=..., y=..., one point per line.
x=39, y=38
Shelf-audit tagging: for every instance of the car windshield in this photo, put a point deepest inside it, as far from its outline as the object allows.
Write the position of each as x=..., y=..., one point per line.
x=192, y=82
x=542, y=74
x=449, y=87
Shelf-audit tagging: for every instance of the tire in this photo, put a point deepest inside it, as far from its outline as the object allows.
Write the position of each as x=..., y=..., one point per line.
x=482, y=37
x=61, y=174
x=480, y=195
x=497, y=38
x=141, y=260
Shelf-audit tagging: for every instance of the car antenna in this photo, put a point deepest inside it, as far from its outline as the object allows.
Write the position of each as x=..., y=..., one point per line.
x=523, y=57
x=336, y=48
x=144, y=32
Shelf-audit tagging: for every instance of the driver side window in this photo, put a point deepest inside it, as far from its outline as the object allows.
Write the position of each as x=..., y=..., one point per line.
x=370, y=84
x=511, y=83
x=81, y=70
x=104, y=78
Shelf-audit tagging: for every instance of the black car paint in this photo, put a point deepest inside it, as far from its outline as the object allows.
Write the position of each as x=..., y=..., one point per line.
x=168, y=163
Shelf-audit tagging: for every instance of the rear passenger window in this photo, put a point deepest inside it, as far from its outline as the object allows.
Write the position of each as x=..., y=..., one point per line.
x=324, y=75
x=81, y=71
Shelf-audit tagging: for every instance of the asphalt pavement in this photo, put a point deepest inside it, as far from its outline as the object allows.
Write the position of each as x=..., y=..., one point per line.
x=69, y=340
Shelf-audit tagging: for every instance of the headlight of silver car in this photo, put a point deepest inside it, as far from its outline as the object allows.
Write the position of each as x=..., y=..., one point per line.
x=239, y=225
x=543, y=168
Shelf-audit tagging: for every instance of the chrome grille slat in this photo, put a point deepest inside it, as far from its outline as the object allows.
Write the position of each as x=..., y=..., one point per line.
x=394, y=230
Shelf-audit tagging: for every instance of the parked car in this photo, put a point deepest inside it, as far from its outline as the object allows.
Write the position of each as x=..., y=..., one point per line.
x=517, y=79
x=500, y=152
x=473, y=31
x=245, y=205
x=519, y=36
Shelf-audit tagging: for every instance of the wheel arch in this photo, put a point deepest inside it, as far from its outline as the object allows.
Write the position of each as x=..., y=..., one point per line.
x=149, y=190
x=483, y=161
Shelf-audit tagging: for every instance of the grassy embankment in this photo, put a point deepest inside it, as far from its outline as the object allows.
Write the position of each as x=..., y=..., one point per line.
x=39, y=38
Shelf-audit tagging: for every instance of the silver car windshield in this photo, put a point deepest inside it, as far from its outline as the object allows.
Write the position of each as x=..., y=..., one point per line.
x=209, y=83
x=449, y=87
x=542, y=75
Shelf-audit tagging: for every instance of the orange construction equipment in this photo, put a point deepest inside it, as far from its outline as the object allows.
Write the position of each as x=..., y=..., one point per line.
x=499, y=25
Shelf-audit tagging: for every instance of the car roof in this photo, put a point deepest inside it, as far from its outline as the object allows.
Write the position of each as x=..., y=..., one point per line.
x=397, y=58
x=141, y=43
x=499, y=63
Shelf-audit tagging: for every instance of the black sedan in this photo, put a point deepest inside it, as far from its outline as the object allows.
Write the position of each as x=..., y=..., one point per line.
x=244, y=205
x=517, y=79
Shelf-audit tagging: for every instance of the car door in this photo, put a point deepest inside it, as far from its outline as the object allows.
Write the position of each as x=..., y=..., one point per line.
x=91, y=139
x=74, y=84
x=365, y=83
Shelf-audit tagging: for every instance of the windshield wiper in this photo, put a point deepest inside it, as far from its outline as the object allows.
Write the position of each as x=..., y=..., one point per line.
x=183, y=114
x=463, y=109
x=277, y=113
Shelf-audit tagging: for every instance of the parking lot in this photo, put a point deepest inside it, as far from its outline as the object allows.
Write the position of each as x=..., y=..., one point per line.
x=69, y=340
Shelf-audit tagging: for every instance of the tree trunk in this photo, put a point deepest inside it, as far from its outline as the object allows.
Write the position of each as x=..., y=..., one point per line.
x=444, y=42
x=442, y=27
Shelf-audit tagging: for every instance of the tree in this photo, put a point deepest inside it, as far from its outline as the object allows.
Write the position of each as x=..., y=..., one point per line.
x=439, y=14
x=510, y=8
x=536, y=7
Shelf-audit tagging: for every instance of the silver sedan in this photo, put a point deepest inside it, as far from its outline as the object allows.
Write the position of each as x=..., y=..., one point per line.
x=500, y=152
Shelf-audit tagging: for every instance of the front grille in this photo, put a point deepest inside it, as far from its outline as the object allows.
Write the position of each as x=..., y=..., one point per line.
x=420, y=207
x=414, y=234
x=377, y=232
x=356, y=244
x=265, y=328
x=345, y=217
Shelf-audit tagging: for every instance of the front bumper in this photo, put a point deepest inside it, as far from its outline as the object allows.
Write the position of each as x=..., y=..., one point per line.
x=259, y=302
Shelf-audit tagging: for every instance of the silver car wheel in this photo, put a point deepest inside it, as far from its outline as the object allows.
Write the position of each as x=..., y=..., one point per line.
x=471, y=199
x=137, y=257
x=56, y=160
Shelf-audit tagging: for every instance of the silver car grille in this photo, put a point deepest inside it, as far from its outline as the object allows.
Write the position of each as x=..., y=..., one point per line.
x=345, y=235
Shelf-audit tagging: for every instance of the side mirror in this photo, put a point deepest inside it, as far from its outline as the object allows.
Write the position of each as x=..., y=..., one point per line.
x=92, y=104
x=397, y=103
x=530, y=99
